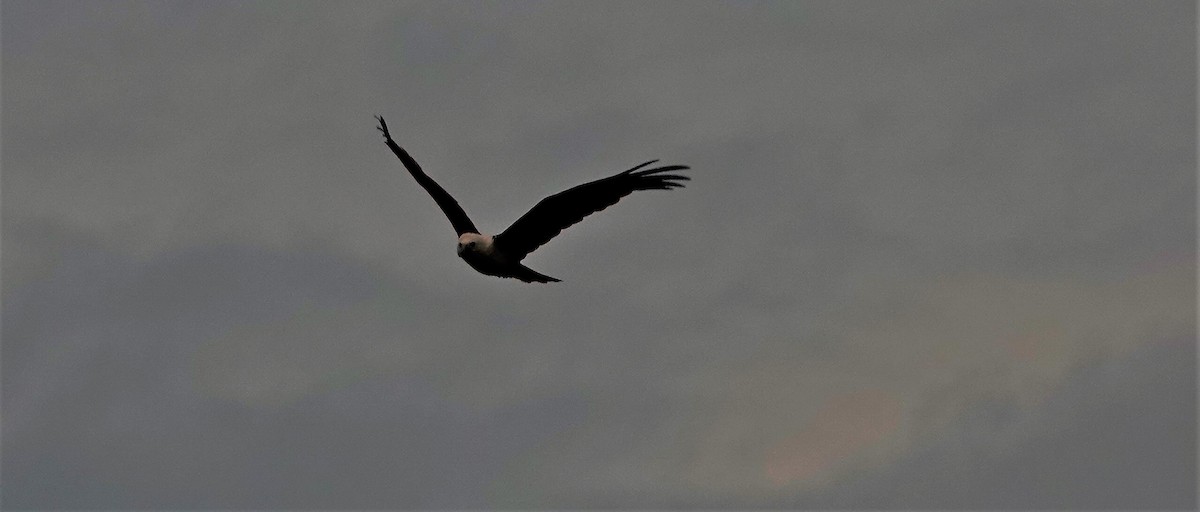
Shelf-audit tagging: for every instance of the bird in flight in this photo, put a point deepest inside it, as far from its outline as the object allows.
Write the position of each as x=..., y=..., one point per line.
x=501, y=255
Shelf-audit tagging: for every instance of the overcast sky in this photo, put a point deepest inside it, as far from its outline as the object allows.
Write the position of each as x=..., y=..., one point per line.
x=934, y=255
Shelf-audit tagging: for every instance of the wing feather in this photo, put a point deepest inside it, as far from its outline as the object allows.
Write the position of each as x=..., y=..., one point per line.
x=454, y=212
x=553, y=214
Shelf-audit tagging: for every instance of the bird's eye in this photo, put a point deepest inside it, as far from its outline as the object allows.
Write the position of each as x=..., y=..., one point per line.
x=472, y=244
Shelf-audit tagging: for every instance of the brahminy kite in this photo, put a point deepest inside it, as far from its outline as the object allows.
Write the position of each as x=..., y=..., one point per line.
x=501, y=255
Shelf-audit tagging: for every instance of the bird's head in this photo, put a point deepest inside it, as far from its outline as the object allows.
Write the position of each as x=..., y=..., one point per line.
x=475, y=243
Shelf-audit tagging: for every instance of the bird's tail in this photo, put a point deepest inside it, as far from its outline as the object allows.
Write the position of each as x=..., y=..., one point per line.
x=532, y=276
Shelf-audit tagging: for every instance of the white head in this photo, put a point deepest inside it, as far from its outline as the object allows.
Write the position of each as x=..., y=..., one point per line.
x=474, y=242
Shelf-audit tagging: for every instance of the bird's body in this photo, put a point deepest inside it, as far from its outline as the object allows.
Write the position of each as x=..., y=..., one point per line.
x=500, y=255
x=479, y=251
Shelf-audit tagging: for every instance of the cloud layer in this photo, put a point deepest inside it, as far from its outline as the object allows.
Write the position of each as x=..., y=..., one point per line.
x=933, y=256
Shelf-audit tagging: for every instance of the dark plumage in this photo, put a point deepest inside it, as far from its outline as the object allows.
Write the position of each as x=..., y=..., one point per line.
x=501, y=255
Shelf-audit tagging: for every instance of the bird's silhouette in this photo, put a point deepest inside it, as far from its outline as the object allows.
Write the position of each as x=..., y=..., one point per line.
x=501, y=255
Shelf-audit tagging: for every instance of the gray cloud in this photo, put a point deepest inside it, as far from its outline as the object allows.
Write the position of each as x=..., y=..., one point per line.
x=1117, y=435
x=934, y=255
x=122, y=394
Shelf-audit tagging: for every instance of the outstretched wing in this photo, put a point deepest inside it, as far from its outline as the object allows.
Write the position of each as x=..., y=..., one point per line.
x=553, y=214
x=454, y=212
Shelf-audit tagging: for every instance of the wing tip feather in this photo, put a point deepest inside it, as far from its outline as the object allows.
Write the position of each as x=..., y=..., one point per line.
x=639, y=166
x=654, y=179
